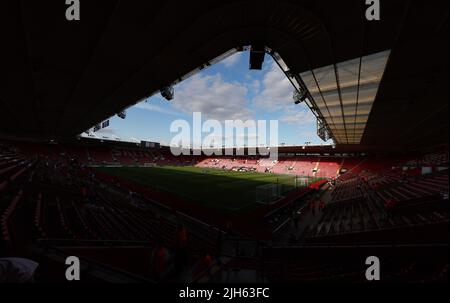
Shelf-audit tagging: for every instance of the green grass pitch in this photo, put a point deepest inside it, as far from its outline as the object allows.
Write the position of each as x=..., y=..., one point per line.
x=220, y=189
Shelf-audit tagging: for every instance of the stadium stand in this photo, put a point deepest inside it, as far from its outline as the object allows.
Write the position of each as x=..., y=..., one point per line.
x=377, y=90
x=65, y=202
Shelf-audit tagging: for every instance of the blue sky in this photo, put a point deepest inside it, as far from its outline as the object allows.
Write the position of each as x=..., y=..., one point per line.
x=226, y=91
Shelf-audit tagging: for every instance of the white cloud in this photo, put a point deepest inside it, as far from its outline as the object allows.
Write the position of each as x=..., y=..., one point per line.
x=277, y=90
x=298, y=115
x=107, y=132
x=306, y=135
x=255, y=86
x=135, y=140
x=276, y=96
x=232, y=60
x=213, y=97
x=241, y=136
x=156, y=108
x=163, y=142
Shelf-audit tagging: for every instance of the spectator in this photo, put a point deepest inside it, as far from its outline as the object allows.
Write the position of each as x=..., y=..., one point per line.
x=391, y=203
x=205, y=263
x=181, y=249
x=160, y=260
x=322, y=205
x=312, y=207
x=83, y=192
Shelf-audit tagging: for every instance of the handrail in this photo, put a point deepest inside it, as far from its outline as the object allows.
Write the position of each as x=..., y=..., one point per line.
x=327, y=246
x=78, y=242
x=389, y=228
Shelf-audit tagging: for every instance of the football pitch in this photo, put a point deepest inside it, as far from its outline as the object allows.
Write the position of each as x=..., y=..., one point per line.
x=220, y=189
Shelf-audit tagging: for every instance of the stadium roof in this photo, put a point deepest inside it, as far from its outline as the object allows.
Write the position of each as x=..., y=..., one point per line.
x=344, y=93
x=59, y=78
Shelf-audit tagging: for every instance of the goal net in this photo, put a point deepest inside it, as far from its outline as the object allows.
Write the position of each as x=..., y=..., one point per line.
x=269, y=193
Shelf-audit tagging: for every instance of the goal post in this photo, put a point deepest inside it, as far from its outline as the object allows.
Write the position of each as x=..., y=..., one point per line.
x=267, y=193
x=280, y=187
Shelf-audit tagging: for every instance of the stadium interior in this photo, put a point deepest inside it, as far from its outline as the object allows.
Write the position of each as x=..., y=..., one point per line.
x=137, y=213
